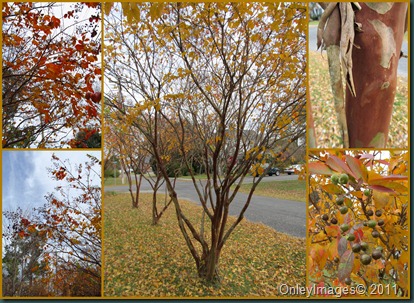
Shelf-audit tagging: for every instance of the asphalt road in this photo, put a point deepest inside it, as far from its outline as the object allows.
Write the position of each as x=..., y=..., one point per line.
x=284, y=216
x=402, y=64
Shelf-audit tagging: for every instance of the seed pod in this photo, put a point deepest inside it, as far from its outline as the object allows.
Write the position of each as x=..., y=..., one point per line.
x=344, y=227
x=365, y=259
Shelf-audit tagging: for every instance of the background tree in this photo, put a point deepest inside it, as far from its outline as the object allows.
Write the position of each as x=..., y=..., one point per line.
x=359, y=220
x=86, y=138
x=23, y=266
x=226, y=77
x=129, y=149
x=136, y=159
x=50, y=63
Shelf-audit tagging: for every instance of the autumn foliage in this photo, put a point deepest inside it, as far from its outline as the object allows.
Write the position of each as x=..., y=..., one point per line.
x=55, y=250
x=228, y=78
x=358, y=221
x=50, y=66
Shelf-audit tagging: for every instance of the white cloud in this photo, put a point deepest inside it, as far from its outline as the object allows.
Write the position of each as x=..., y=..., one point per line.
x=26, y=178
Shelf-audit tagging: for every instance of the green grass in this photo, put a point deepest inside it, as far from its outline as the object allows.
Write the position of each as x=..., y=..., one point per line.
x=113, y=181
x=287, y=190
x=142, y=260
x=324, y=115
x=116, y=181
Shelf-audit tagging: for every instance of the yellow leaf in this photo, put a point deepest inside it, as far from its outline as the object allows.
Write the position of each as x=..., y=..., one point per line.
x=108, y=7
x=131, y=11
x=156, y=10
x=74, y=241
x=381, y=199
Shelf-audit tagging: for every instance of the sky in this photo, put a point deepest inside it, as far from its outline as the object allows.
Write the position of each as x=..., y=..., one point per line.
x=26, y=180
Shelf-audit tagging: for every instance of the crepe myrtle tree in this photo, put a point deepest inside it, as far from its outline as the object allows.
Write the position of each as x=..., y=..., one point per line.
x=228, y=78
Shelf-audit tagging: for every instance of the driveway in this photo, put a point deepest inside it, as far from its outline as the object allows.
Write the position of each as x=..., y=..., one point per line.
x=283, y=215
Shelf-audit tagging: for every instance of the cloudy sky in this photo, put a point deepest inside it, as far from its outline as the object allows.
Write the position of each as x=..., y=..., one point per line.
x=26, y=180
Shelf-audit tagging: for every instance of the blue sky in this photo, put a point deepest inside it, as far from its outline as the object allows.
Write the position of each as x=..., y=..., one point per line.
x=25, y=177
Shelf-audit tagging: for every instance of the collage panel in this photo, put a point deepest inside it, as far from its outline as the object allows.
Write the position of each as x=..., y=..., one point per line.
x=51, y=75
x=358, y=158
x=247, y=150
x=51, y=224
x=205, y=104
x=359, y=223
x=358, y=75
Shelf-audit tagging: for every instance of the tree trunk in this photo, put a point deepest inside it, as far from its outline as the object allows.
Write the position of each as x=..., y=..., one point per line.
x=138, y=187
x=375, y=63
x=208, y=269
x=155, y=217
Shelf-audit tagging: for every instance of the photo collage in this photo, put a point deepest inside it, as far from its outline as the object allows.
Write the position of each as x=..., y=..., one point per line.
x=205, y=150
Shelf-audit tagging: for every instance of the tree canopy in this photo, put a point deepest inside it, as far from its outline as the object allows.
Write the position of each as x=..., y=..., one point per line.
x=51, y=73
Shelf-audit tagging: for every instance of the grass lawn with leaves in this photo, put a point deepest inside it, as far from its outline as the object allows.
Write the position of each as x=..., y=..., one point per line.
x=288, y=190
x=142, y=260
x=326, y=126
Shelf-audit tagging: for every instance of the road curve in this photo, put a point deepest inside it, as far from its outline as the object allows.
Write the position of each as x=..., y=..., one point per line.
x=283, y=215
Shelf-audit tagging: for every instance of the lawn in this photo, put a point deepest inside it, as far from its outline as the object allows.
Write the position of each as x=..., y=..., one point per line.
x=110, y=181
x=152, y=261
x=287, y=190
x=114, y=181
x=326, y=127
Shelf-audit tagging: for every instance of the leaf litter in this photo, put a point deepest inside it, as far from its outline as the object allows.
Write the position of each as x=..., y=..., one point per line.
x=142, y=260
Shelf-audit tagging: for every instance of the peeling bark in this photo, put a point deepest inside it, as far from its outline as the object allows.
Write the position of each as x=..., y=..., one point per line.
x=388, y=46
x=312, y=142
x=380, y=7
x=375, y=70
x=369, y=43
x=335, y=73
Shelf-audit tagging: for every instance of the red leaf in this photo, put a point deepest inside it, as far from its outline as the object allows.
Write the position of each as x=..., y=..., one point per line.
x=355, y=166
x=381, y=188
x=367, y=156
x=342, y=245
x=340, y=166
x=79, y=47
x=25, y=222
x=389, y=178
x=359, y=234
x=345, y=265
x=319, y=168
x=53, y=68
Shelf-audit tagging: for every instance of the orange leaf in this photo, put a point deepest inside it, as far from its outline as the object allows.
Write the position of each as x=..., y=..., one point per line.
x=31, y=229
x=332, y=189
x=356, y=167
x=319, y=168
x=332, y=231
